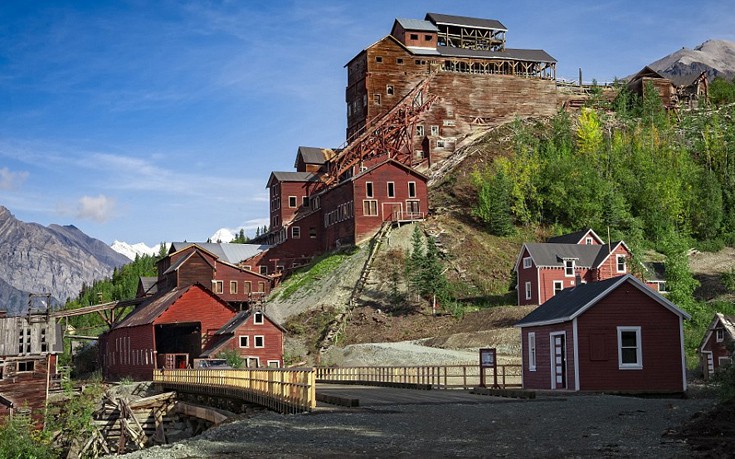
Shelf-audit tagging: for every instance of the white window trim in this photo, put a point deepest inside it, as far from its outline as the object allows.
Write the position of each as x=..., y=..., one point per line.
x=218, y=287
x=527, y=262
x=269, y=362
x=258, y=318
x=255, y=341
x=558, y=282
x=369, y=190
x=639, y=349
x=588, y=241
x=233, y=287
x=295, y=232
x=531, y=351
x=719, y=335
x=617, y=264
x=410, y=186
x=296, y=202
x=247, y=341
x=529, y=293
x=573, y=268
x=723, y=361
x=388, y=187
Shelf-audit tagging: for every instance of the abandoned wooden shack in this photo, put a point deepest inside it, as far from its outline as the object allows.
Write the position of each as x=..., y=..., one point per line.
x=29, y=349
x=639, y=83
x=716, y=349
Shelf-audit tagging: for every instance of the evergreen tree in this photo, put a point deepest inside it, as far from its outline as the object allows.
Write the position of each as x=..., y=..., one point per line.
x=494, y=204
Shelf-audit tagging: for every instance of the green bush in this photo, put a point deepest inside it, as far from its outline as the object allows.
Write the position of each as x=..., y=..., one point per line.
x=728, y=280
x=19, y=439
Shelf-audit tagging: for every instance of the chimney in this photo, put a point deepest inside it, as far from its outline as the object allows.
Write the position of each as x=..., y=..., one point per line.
x=577, y=280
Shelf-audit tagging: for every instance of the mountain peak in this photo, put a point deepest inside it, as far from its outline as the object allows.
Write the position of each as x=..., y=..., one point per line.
x=714, y=57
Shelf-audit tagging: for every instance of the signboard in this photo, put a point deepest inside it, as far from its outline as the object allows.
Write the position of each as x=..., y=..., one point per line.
x=488, y=360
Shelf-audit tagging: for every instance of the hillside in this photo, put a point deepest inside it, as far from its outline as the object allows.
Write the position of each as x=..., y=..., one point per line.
x=714, y=57
x=55, y=260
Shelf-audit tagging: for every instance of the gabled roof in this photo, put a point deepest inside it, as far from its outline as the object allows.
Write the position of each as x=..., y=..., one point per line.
x=313, y=155
x=227, y=332
x=416, y=24
x=149, y=285
x=576, y=237
x=181, y=261
x=647, y=72
x=728, y=323
x=570, y=303
x=224, y=251
x=150, y=310
x=475, y=23
x=280, y=176
x=553, y=255
x=393, y=161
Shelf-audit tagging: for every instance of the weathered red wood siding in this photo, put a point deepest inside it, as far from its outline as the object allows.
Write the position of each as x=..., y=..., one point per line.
x=27, y=389
x=547, y=277
x=283, y=190
x=718, y=350
x=129, y=352
x=339, y=232
x=272, y=349
x=295, y=252
x=661, y=344
x=197, y=305
x=608, y=268
x=541, y=378
x=527, y=275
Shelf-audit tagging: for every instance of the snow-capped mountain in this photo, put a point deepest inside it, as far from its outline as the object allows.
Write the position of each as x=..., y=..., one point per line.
x=131, y=250
x=223, y=235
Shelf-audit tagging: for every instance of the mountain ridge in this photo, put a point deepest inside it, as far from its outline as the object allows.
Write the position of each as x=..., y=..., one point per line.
x=716, y=58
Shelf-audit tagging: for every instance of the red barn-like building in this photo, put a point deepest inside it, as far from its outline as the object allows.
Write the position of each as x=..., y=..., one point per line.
x=714, y=350
x=544, y=269
x=613, y=335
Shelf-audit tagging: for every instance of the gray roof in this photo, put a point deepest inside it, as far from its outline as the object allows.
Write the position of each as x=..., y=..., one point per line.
x=312, y=155
x=528, y=55
x=149, y=284
x=294, y=177
x=417, y=24
x=571, y=238
x=545, y=254
x=228, y=252
x=571, y=302
x=475, y=23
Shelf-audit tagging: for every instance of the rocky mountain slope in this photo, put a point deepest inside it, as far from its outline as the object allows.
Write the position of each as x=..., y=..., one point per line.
x=715, y=57
x=56, y=260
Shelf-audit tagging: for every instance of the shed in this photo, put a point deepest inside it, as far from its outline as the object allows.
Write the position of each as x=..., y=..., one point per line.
x=716, y=349
x=613, y=335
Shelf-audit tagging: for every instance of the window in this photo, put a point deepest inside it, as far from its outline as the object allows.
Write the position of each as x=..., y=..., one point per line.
x=720, y=335
x=420, y=62
x=558, y=286
x=440, y=144
x=244, y=341
x=620, y=263
x=389, y=90
x=411, y=189
x=378, y=59
x=292, y=201
x=449, y=123
x=428, y=37
x=233, y=287
x=28, y=365
x=368, y=189
x=569, y=268
x=263, y=269
x=295, y=232
x=391, y=190
x=252, y=362
x=434, y=130
x=312, y=232
x=370, y=208
x=259, y=341
x=420, y=130
x=399, y=60
x=305, y=201
x=414, y=36
x=527, y=262
x=247, y=287
x=662, y=287
x=376, y=99
x=629, y=348
x=261, y=287
x=218, y=286
x=589, y=241
x=274, y=364
x=258, y=318
x=528, y=290
x=532, y=351
x=413, y=207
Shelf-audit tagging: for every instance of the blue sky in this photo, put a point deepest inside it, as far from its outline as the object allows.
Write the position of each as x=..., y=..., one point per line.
x=161, y=123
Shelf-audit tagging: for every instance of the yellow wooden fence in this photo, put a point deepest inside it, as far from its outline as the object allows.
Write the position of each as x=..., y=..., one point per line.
x=283, y=390
x=438, y=377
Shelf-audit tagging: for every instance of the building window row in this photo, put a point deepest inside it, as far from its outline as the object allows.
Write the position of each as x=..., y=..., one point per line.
x=341, y=213
x=218, y=285
x=258, y=341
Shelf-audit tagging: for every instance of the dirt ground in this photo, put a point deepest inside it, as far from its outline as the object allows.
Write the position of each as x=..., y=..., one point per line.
x=707, y=268
x=711, y=433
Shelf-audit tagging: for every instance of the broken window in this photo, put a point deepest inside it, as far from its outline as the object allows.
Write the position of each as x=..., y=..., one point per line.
x=420, y=130
x=376, y=99
x=389, y=90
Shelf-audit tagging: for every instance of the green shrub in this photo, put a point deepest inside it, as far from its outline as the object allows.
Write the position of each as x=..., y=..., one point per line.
x=20, y=440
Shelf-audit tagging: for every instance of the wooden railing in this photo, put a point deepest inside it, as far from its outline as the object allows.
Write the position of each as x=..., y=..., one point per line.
x=406, y=216
x=437, y=377
x=282, y=390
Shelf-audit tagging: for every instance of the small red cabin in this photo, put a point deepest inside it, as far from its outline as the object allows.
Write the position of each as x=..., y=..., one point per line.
x=716, y=348
x=613, y=335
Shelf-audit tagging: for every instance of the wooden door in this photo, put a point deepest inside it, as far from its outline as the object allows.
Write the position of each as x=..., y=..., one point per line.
x=558, y=361
x=392, y=211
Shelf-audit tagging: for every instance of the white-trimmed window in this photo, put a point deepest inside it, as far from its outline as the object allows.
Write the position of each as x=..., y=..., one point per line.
x=244, y=341
x=720, y=335
x=376, y=99
x=532, y=351
x=368, y=189
x=389, y=88
x=261, y=287
x=263, y=270
x=312, y=232
x=292, y=201
x=630, y=353
x=274, y=363
x=435, y=130
x=252, y=362
x=569, y=268
x=259, y=340
x=295, y=232
x=620, y=263
x=588, y=241
x=370, y=208
x=258, y=318
x=247, y=287
x=528, y=290
x=411, y=189
x=558, y=286
x=233, y=287
x=723, y=361
x=391, y=189
x=218, y=286
x=527, y=263
x=420, y=131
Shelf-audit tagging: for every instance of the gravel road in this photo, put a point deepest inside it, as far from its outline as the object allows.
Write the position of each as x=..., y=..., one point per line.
x=576, y=426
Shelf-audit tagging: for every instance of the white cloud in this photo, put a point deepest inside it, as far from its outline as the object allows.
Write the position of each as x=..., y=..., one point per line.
x=99, y=208
x=10, y=180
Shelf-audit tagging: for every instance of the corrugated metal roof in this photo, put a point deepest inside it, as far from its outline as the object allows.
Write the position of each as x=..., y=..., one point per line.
x=312, y=155
x=234, y=323
x=149, y=285
x=475, y=23
x=225, y=251
x=571, y=302
x=417, y=24
x=149, y=311
x=528, y=55
x=545, y=254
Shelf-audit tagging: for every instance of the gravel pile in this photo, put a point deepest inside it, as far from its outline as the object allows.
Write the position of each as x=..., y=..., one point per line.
x=397, y=354
x=585, y=425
